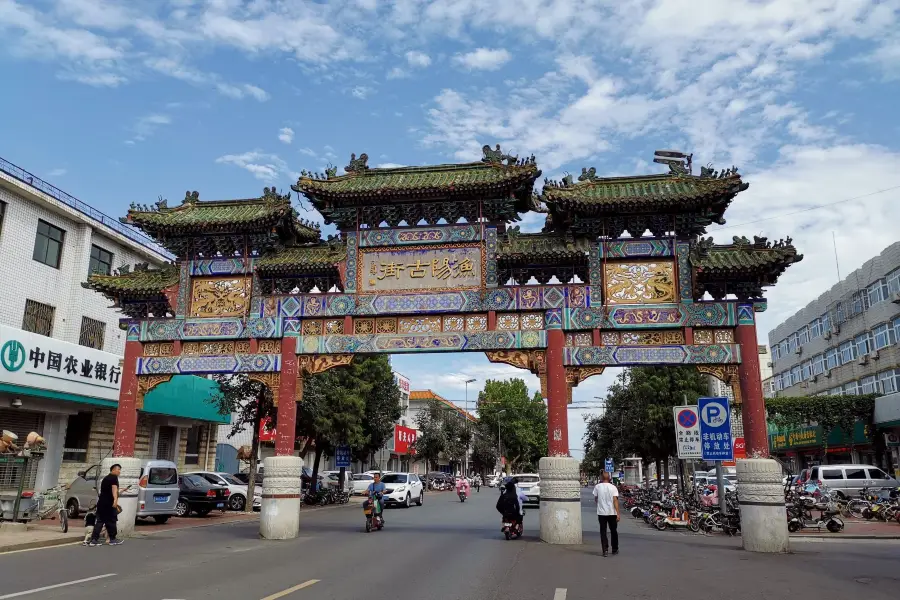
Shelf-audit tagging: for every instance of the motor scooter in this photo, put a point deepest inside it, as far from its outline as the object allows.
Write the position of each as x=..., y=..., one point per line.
x=372, y=509
x=511, y=528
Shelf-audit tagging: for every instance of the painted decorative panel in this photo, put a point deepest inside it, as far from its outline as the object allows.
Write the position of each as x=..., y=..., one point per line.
x=554, y=297
x=580, y=338
x=211, y=328
x=420, y=269
x=636, y=248
x=340, y=305
x=723, y=336
x=220, y=296
x=610, y=338
x=184, y=290
x=159, y=349
x=207, y=348
x=508, y=321
x=240, y=363
x=349, y=273
x=454, y=323
x=595, y=274
x=553, y=318
x=270, y=346
x=651, y=338
x=476, y=323
x=500, y=299
x=419, y=235
x=333, y=326
x=363, y=326
x=386, y=325
x=264, y=328
x=436, y=342
x=703, y=336
x=313, y=327
x=578, y=296
x=651, y=355
x=529, y=297
x=491, y=274
x=219, y=266
x=640, y=282
x=685, y=274
x=418, y=325
x=419, y=303
x=532, y=321
x=745, y=314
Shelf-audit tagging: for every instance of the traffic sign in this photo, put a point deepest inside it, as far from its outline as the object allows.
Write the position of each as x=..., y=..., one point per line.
x=342, y=456
x=715, y=429
x=609, y=467
x=687, y=431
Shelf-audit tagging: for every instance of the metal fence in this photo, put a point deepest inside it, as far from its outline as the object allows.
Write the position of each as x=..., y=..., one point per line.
x=85, y=209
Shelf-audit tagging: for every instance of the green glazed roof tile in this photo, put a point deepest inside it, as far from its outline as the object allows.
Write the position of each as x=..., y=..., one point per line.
x=301, y=257
x=525, y=246
x=644, y=190
x=150, y=282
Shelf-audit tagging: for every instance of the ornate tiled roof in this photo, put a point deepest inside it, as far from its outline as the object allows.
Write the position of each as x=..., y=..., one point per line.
x=530, y=247
x=302, y=258
x=193, y=216
x=142, y=282
x=742, y=268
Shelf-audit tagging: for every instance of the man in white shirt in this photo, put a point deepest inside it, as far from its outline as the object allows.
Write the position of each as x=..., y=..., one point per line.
x=606, y=497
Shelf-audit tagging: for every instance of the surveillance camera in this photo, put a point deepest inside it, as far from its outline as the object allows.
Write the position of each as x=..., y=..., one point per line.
x=17, y=403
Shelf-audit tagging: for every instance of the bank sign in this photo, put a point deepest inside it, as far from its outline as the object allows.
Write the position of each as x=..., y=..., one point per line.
x=43, y=363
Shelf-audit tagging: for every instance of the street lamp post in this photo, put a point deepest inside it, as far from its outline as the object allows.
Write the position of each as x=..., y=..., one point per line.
x=499, y=448
x=466, y=468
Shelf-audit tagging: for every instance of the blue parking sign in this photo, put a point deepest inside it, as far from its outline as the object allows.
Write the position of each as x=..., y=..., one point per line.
x=609, y=468
x=342, y=456
x=715, y=429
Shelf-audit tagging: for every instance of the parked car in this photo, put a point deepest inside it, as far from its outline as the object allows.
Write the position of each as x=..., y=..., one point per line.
x=157, y=490
x=530, y=484
x=238, y=497
x=200, y=496
x=360, y=483
x=848, y=480
x=403, y=489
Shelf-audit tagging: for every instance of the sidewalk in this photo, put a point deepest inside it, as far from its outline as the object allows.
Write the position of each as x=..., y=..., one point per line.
x=47, y=533
x=855, y=529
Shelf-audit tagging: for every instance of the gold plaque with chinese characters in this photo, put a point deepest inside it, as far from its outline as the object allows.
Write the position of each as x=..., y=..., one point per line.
x=220, y=296
x=640, y=282
x=420, y=269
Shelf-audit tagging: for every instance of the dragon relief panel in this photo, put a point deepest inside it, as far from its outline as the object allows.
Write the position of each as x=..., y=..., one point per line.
x=640, y=282
x=220, y=296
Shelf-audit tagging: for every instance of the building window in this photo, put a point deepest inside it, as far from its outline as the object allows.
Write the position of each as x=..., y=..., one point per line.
x=869, y=385
x=777, y=381
x=192, y=449
x=859, y=303
x=101, y=261
x=851, y=388
x=848, y=352
x=863, y=344
x=815, y=329
x=806, y=370
x=832, y=358
x=884, y=336
x=818, y=364
x=2, y=214
x=897, y=330
x=48, y=244
x=776, y=352
x=795, y=375
x=877, y=292
x=38, y=318
x=838, y=391
x=826, y=323
x=887, y=381
x=92, y=333
x=78, y=433
x=804, y=335
x=793, y=342
x=893, y=282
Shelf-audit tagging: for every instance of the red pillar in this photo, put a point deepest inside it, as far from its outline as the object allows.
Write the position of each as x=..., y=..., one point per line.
x=753, y=409
x=126, y=413
x=557, y=392
x=285, y=431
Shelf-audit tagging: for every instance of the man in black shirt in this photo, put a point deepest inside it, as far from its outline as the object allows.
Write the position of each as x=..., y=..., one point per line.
x=108, y=508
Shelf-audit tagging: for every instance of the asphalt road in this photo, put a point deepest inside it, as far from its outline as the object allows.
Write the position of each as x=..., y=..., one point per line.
x=441, y=551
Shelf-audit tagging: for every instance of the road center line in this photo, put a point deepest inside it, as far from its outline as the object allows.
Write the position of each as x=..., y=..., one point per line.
x=282, y=593
x=559, y=594
x=58, y=585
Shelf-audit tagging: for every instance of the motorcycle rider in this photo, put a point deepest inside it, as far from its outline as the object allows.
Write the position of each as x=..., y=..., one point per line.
x=509, y=505
x=376, y=487
x=462, y=484
x=478, y=483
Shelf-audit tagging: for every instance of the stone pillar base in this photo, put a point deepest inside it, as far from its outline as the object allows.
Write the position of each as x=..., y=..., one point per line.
x=280, y=514
x=128, y=501
x=763, y=517
x=560, y=500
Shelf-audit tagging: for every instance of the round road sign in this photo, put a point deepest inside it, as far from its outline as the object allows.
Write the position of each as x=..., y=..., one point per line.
x=687, y=418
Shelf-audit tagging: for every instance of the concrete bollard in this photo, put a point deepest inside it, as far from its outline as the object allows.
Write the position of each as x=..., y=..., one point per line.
x=763, y=517
x=280, y=512
x=128, y=501
x=560, y=500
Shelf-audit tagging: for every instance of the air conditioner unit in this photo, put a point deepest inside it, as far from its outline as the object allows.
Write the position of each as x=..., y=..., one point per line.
x=827, y=335
x=799, y=350
x=837, y=329
x=770, y=364
x=827, y=373
x=864, y=359
x=895, y=297
x=874, y=355
x=815, y=378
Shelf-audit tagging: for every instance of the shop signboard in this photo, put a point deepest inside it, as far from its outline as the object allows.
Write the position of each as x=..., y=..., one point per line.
x=42, y=363
x=404, y=439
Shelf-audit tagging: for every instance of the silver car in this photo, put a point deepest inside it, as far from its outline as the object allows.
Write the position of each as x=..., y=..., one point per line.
x=849, y=480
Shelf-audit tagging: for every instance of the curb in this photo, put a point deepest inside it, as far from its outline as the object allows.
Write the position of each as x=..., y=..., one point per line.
x=837, y=537
x=62, y=541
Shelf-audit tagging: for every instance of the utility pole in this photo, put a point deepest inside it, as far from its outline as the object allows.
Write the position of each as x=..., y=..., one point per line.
x=499, y=448
x=466, y=468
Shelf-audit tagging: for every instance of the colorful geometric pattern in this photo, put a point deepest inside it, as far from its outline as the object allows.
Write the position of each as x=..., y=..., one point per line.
x=435, y=342
x=132, y=329
x=264, y=327
x=500, y=299
x=491, y=275
x=685, y=273
x=529, y=297
x=419, y=235
x=652, y=316
x=651, y=355
x=161, y=330
x=760, y=306
x=595, y=274
x=184, y=289
x=745, y=314
x=212, y=328
x=238, y=363
x=632, y=248
x=553, y=318
x=220, y=266
x=554, y=297
x=352, y=257
x=340, y=305
x=385, y=304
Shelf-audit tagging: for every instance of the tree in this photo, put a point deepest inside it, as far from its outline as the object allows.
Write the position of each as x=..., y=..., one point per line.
x=458, y=437
x=484, y=449
x=251, y=403
x=431, y=440
x=522, y=420
x=382, y=407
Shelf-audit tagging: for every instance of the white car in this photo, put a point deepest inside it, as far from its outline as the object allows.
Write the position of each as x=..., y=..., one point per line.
x=530, y=484
x=402, y=489
x=361, y=482
x=238, y=498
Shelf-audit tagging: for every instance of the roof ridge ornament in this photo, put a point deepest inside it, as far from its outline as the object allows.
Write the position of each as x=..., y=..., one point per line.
x=190, y=198
x=708, y=172
x=496, y=156
x=588, y=174
x=679, y=163
x=357, y=165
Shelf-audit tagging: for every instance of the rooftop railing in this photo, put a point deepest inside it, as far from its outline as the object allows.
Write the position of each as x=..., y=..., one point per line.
x=85, y=209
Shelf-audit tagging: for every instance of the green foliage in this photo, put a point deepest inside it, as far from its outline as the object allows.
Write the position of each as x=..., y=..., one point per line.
x=431, y=440
x=522, y=420
x=382, y=404
x=484, y=449
x=638, y=417
x=827, y=411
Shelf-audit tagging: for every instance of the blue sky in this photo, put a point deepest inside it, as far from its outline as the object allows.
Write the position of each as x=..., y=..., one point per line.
x=118, y=101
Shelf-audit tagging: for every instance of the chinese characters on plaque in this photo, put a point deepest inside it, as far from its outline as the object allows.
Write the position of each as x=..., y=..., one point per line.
x=420, y=269
x=71, y=365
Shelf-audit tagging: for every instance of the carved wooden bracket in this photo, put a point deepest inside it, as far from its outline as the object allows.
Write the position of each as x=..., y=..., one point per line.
x=319, y=363
x=531, y=360
x=145, y=383
x=575, y=375
x=727, y=374
x=271, y=381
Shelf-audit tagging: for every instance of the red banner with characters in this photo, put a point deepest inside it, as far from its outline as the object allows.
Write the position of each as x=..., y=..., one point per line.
x=266, y=434
x=404, y=438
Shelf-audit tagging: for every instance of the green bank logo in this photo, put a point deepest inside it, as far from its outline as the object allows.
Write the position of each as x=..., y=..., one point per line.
x=12, y=355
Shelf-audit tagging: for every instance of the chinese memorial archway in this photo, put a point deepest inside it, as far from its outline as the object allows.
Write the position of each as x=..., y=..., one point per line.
x=426, y=261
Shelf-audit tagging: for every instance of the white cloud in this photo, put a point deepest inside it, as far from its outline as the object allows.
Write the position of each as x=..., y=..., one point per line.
x=266, y=167
x=484, y=59
x=241, y=91
x=146, y=126
x=418, y=59
x=100, y=79
x=361, y=92
x=308, y=152
x=286, y=135
x=58, y=172
x=389, y=165
x=397, y=73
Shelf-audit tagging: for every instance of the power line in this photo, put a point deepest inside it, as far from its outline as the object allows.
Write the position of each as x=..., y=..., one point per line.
x=811, y=208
